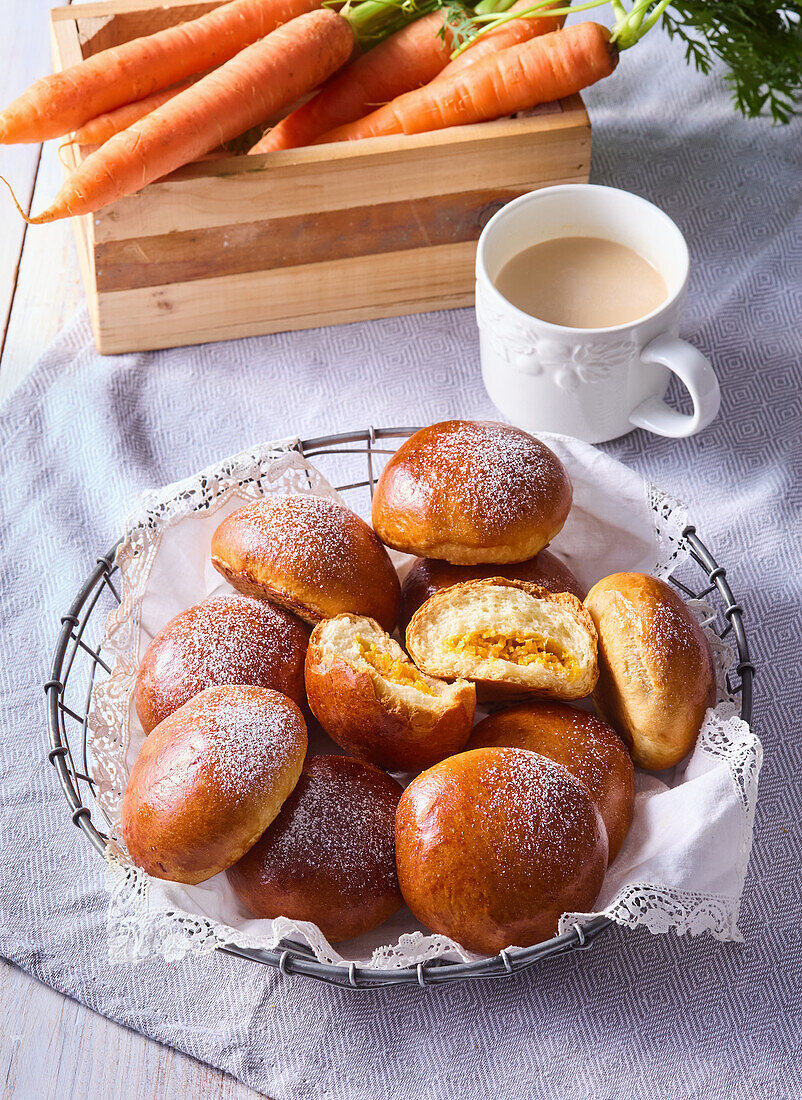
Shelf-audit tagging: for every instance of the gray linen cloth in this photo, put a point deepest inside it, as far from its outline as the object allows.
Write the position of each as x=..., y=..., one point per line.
x=636, y=1016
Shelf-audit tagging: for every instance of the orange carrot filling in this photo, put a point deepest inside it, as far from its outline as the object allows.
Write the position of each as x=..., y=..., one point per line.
x=518, y=648
x=394, y=669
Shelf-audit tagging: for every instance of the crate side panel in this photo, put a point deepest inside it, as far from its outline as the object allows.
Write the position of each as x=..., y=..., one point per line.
x=277, y=301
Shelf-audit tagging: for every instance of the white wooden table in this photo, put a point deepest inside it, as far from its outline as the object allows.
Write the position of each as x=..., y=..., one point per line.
x=50, y=1046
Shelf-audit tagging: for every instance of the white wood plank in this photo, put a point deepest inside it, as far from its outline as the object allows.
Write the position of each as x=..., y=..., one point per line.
x=27, y=56
x=52, y=1048
x=48, y=285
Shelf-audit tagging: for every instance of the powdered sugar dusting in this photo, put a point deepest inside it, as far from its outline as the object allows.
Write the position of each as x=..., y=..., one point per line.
x=504, y=473
x=226, y=639
x=247, y=734
x=313, y=533
x=673, y=633
x=544, y=811
x=340, y=819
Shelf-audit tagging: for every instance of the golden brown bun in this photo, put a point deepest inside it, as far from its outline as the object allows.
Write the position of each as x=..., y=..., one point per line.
x=587, y=747
x=471, y=492
x=329, y=856
x=370, y=698
x=656, y=675
x=226, y=639
x=313, y=556
x=429, y=575
x=459, y=632
x=494, y=845
x=210, y=779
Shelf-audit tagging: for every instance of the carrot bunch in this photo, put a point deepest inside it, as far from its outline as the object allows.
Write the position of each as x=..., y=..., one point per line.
x=376, y=67
x=537, y=70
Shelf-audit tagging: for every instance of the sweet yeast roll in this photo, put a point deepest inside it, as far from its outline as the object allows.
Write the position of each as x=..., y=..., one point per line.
x=329, y=856
x=225, y=639
x=312, y=555
x=495, y=844
x=589, y=748
x=209, y=780
x=470, y=493
x=656, y=671
x=510, y=638
x=372, y=700
x=429, y=575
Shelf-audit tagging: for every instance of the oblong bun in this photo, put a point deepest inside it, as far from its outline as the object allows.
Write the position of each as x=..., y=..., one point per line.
x=589, y=748
x=494, y=845
x=371, y=699
x=225, y=639
x=329, y=857
x=429, y=575
x=656, y=670
x=312, y=555
x=209, y=780
x=471, y=492
x=511, y=638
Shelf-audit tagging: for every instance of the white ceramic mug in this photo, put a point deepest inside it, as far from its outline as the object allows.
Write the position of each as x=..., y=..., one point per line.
x=595, y=384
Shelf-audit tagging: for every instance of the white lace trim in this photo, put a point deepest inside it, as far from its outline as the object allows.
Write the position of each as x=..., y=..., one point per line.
x=140, y=926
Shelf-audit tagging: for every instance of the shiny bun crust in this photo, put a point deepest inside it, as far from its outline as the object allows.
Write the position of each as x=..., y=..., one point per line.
x=471, y=493
x=429, y=575
x=494, y=845
x=226, y=639
x=312, y=555
x=510, y=638
x=370, y=698
x=583, y=744
x=329, y=856
x=209, y=780
x=657, y=676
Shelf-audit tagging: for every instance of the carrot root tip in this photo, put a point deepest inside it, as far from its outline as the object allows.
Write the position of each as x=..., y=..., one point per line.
x=20, y=211
x=64, y=145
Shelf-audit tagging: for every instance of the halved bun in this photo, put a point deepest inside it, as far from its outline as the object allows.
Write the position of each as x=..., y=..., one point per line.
x=429, y=575
x=312, y=555
x=511, y=638
x=471, y=492
x=657, y=676
x=371, y=699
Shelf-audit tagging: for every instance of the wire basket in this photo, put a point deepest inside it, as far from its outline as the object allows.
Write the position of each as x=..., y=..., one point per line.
x=77, y=663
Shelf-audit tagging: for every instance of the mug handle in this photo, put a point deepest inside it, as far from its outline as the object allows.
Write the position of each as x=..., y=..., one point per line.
x=698, y=377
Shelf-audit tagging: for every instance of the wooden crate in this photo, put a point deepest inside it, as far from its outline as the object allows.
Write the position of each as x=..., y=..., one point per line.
x=289, y=240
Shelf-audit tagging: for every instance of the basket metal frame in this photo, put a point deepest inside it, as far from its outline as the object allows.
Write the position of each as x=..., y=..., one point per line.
x=67, y=729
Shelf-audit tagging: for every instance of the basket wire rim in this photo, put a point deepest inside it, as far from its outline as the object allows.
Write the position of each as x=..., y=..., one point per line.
x=291, y=958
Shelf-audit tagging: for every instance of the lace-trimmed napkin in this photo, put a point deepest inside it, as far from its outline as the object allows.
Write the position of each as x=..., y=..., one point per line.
x=684, y=861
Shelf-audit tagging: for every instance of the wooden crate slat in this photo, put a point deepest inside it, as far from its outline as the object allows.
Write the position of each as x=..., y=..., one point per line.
x=304, y=239
x=288, y=184
x=341, y=291
x=124, y=7
x=100, y=31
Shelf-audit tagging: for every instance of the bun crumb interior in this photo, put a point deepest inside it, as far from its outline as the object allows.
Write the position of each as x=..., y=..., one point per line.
x=373, y=701
x=505, y=632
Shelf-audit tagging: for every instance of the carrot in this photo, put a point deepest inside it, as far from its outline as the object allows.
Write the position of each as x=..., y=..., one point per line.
x=60, y=103
x=407, y=59
x=508, y=34
x=100, y=129
x=516, y=78
x=261, y=79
